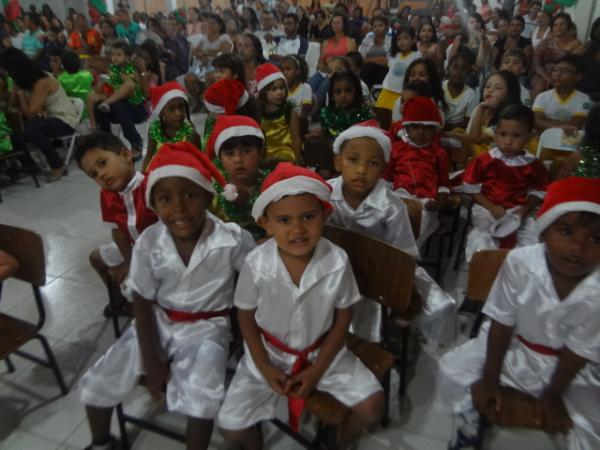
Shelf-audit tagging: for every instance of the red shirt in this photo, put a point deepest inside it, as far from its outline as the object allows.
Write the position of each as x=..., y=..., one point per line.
x=506, y=181
x=423, y=172
x=127, y=209
x=92, y=38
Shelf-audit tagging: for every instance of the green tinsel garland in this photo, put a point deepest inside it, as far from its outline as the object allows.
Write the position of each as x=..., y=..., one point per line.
x=184, y=134
x=115, y=80
x=334, y=120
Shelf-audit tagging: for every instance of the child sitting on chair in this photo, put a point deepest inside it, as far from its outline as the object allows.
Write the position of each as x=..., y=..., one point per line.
x=107, y=161
x=294, y=299
x=542, y=338
x=418, y=165
x=364, y=203
x=181, y=280
x=507, y=183
x=236, y=147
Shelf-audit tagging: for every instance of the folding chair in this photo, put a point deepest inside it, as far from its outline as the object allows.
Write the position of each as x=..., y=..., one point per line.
x=27, y=247
x=80, y=106
x=553, y=140
x=415, y=211
x=312, y=57
x=518, y=408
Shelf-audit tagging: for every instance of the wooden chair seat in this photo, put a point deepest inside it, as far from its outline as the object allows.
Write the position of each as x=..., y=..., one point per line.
x=519, y=410
x=15, y=332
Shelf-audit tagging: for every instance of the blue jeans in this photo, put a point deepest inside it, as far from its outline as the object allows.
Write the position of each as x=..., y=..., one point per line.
x=320, y=86
x=41, y=130
x=126, y=115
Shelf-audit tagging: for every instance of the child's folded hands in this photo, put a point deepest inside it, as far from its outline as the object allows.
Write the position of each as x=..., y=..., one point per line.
x=277, y=378
x=486, y=397
x=556, y=418
x=304, y=382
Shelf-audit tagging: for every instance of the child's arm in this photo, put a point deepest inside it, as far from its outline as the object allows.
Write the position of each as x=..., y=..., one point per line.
x=543, y=123
x=568, y=165
x=475, y=133
x=486, y=391
x=8, y=265
x=150, y=151
x=154, y=361
x=125, y=91
x=296, y=138
x=496, y=211
x=276, y=378
x=303, y=383
x=556, y=417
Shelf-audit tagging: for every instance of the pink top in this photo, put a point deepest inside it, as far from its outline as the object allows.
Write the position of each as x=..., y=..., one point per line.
x=333, y=48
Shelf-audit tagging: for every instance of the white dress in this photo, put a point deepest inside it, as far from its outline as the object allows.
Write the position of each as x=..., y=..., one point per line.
x=298, y=316
x=197, y=350
x=383, y=215
x=523, y=296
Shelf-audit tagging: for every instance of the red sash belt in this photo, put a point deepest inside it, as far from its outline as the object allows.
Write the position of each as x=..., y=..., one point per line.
x=295, y=404
x=538, y=348
x=184, y=316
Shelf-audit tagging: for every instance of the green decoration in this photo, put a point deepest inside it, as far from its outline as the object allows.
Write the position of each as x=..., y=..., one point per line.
x=115, y=81
x=184, y=134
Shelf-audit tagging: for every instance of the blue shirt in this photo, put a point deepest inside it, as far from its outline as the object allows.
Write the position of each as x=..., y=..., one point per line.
x=32, y=43
x=128, y=33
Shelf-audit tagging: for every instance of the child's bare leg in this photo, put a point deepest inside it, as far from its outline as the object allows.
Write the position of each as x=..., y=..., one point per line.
x=99, y=422
x=100, y=267
x=250, y=438
x=90, y=102
x=113, y=289
x=198, y=433
x=364, y=416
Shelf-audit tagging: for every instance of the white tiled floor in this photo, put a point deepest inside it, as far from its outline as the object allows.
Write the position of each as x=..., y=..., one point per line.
x=33, y=416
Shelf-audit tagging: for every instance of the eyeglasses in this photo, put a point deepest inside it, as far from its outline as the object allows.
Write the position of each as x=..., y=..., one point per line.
x=562, y=70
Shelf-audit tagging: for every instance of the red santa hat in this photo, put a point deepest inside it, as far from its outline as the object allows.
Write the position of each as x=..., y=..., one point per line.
x=421, y=110
x=225, y=96
x=370, y=129
x=161, y=95
x=288, y=179
x=573, y=194
x=227, y=127
x=184, y=160
x=266, y=74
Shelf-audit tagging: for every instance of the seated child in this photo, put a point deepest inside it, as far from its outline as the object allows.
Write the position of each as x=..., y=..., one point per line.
x=147, y=63
x=300, y=93
x=514, y=60
x=55, y=61
x=236, y=146
x=279, y=120
x=294, y=298
x=460, y=98
x=356, y=64
x=363, y=202
x=170, y=121
x=181, y=280
x=507, y=183
x=106, y=160
x=416, y=88
x=76, y=82
x=418, y=166
x=564, y=106
x=542, y=337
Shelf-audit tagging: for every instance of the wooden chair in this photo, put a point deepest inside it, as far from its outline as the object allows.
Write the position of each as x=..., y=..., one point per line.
x=27, y=247
x=518, y=408
x=415, y=211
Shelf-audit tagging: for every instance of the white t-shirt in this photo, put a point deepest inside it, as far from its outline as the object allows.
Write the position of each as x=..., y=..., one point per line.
x=525, y=96
x=576, y=105
x=398, y=66
x=461, y=106
x=301, y=96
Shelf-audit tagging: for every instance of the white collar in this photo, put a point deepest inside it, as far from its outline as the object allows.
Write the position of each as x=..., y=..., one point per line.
x=135, y=181
x=372, y=200
x=512, y=161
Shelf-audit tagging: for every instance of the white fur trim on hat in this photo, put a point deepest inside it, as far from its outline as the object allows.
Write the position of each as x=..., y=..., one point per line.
x=218, y=109
x=291, y=186
x=546, y=219
x=232, y=132
x=176, y=170
x=166, y=98
x=269, y=79
x=364, y=131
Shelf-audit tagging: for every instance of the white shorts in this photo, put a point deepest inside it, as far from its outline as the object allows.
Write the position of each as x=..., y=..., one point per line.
x=110, y=254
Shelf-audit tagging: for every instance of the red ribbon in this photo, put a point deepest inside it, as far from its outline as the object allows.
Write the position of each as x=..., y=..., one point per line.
x=509, y=241
x=295, y=404
x=184, y=316
x=538, y=348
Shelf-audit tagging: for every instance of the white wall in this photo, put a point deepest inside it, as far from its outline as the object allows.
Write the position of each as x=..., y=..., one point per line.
x=60, y=7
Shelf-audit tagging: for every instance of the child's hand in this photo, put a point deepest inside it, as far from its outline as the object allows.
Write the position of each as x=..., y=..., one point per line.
x=118, y=273
x=276, y=378
x=555, y=416
x=497, y=211
x=486, y=397
x=431, y=205
x=157, y=377
x=303, y=383
x=492, y=103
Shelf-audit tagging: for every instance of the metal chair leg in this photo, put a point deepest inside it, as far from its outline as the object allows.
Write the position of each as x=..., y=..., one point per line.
x=481, y=427
x=53, y=364
x=403, y=362
x=9, y=364
x=122, y=427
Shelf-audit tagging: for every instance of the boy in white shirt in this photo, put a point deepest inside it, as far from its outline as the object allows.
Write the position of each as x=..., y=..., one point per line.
x=514, y=60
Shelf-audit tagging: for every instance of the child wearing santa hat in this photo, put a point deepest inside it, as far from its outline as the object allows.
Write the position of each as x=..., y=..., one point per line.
x=364, y=202
x=507, y=183
x=542, y=336
x=418, y=166
x=294, y=299
x=279, y=120
x=237, y=146
x=170, y=121
x=182, y=281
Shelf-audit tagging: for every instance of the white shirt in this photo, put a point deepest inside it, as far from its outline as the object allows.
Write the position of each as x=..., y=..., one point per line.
x=296, y=315
x=382, y=215
x=288, y=46
x=301, y=96
x=398, y=65
x=461, y=106
x=576, y=105
x=206, y=284
x=525, y=96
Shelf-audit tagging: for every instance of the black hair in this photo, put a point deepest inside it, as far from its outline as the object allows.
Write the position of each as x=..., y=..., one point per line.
x=101, y=140
x=253, y=21
x=435, y=81
x=320, y=13
x=344, y=20
x=520, y=20
x=595, y=30
x=383, y=19
x=292, y=16
x=21, y=68
x=343, y=60
x=356, y=57
x=561, y=15
x=301, y=64
x=242, y=141
x=516, y=52
x=258, y=50
x=55, y=52
x=34, y=17
x=249, y=109
x=591, y=129
x=518, y=112
x=502, y=14
x=435, y=37
x=219, y=21
x=110, y=24
x=467, y=56
x=419, y=87
x=123, y=46
x=513, y=92
x=402, y=30
x=70, y=61
x=232, y=62
x=478, y=18
x=576, y=61
x=150, y=46
x=352, y=78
